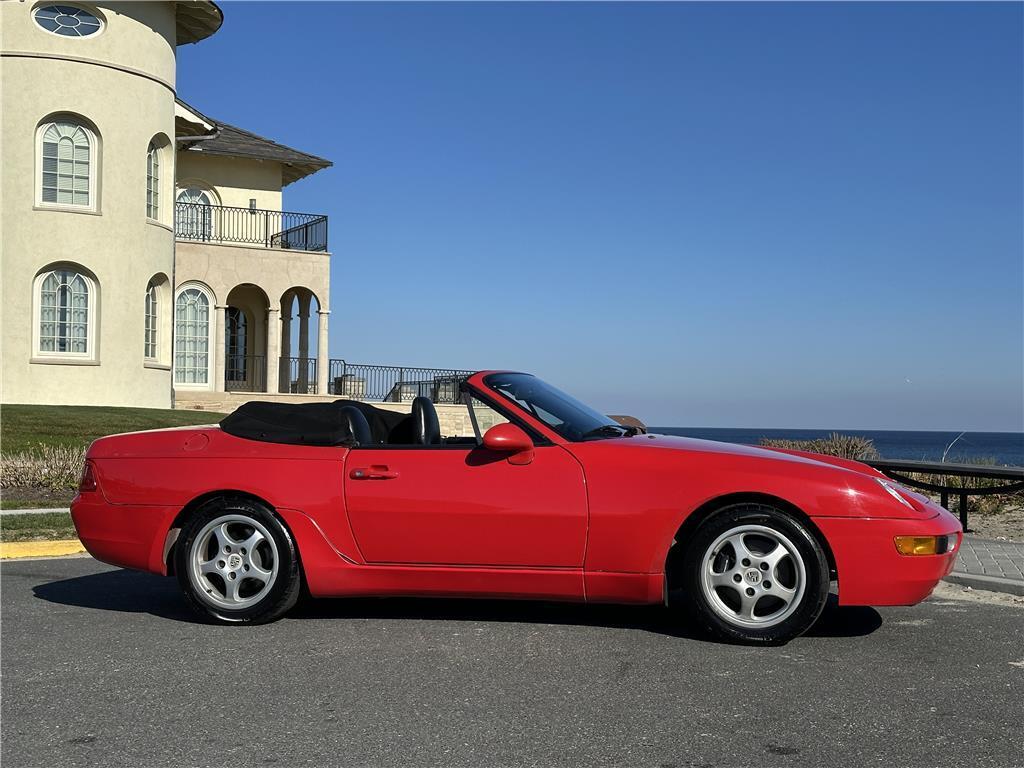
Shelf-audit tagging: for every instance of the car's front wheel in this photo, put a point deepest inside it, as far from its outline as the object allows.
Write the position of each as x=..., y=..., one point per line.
x=755, y=574
x=236, y=563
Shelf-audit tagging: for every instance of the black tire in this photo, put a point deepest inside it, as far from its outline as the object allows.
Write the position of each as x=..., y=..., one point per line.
x=285, y=584
x=717, y=610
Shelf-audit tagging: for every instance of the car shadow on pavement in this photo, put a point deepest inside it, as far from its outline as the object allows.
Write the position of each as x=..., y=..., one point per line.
x=136, y=592
x=120, y=590
x=835, y=621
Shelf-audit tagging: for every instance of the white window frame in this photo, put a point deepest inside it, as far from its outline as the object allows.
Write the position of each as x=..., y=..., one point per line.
x=151, y=323
x=188, y=230
x=92, y=327
x=211, y=346
x=78, y=6
x=153, y=191
x=94, y=162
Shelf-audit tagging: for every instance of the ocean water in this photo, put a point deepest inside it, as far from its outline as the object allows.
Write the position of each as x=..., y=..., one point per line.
x=1005, y=448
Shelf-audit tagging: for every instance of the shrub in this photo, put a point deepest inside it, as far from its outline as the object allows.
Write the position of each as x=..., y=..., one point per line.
x=57, y=467
x=836, y=444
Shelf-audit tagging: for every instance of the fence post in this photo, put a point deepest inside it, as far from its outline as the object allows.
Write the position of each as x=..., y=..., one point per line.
x=963, y=511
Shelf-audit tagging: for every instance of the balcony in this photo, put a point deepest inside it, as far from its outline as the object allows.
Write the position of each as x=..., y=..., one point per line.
x=253, y=227
x=384, y=383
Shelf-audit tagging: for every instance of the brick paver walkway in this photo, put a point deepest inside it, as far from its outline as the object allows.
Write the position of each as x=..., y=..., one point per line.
x=988, y=557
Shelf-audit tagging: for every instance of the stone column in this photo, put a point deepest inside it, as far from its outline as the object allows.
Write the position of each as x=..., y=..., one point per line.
x=323, y=362
x=285, y=378
x=304, y=343
x=220, y=328
x=273, y=349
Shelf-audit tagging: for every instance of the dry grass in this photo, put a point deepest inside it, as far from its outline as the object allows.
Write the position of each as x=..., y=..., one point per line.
x=836, y=444
x=54, y=467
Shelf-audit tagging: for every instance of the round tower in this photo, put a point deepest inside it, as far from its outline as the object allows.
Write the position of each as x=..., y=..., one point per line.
x=87, y=198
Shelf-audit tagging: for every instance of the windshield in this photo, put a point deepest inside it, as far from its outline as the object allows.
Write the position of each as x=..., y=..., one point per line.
x=564, y=414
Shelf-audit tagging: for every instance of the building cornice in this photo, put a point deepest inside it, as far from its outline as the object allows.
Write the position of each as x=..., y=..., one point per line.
x=196, y=20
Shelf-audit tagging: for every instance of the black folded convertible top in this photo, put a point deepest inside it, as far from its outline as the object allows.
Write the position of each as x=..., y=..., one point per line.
x=306, y=423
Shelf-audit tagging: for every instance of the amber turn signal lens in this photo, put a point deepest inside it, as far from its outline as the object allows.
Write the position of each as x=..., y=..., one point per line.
x=917, y=545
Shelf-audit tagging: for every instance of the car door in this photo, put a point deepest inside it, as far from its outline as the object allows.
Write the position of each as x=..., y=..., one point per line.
x=464, y=505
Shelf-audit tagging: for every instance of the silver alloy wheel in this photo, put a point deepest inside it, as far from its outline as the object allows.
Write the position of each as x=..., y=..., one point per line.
x=753, y=576
x=233, y=562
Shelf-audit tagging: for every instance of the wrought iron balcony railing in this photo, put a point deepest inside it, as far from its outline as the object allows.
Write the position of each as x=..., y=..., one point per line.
x=394, y=384
x=250, y=226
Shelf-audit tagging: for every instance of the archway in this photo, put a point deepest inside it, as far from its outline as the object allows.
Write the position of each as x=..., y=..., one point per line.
x=245, y=339
x=300, y=341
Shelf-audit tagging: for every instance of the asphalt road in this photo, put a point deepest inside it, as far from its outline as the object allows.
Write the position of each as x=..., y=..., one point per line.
x=105, y=667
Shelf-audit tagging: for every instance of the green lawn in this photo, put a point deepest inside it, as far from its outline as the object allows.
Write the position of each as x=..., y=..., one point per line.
x=30, y=498
x=26, y=427
x=47, y=526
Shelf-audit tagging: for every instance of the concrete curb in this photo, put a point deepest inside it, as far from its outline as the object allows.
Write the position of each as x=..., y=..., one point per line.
x=15, y=550
x=990, y=583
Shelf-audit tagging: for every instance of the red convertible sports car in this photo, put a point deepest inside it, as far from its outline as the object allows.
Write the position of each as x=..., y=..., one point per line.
x=549, y=500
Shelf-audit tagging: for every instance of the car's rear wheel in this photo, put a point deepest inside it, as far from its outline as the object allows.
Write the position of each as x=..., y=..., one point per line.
x=236, y=563
x=755, y=574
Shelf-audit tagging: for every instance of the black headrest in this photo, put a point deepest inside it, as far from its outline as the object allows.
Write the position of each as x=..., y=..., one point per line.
x=357, y=425
x=381, y=421
x=426, y=429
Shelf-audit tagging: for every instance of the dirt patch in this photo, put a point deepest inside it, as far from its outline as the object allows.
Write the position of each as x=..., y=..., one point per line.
x=946, y=592
x=1005, y=525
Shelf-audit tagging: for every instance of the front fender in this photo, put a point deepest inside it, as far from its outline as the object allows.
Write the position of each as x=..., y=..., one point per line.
x=639, y=499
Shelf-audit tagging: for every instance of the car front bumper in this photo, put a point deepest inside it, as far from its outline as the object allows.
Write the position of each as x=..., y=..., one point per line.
x=872, y=572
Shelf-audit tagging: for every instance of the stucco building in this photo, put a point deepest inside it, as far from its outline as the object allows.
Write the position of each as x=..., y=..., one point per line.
x=146, y=256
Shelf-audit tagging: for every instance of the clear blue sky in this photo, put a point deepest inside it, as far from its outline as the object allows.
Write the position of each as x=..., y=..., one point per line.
x=784, y=215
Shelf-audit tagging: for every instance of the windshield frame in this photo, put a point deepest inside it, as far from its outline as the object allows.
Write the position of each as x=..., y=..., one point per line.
x=569, y=433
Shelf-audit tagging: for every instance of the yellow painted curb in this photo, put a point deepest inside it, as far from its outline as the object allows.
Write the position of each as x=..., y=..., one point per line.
x=10, y=550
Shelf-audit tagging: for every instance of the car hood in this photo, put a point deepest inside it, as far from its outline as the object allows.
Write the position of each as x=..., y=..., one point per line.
x=696, y=445
x=811, y=481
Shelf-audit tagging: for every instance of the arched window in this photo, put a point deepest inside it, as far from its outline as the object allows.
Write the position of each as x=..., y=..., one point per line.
x=192, y=337
x=66, y=164
x=153, y=181
x=65, y=313
x=192, y=214
x=152, y=322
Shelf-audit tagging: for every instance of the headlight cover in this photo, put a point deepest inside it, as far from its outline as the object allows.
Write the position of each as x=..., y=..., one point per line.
x=891, y=489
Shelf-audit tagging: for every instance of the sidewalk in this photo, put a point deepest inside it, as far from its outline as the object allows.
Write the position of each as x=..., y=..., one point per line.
x=989, y=564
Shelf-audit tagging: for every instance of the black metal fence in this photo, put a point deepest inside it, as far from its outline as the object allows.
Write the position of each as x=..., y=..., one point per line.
x=394, y=384
x=245, y=373
x=900, y=470
x=298, y=375
x=250, y=226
